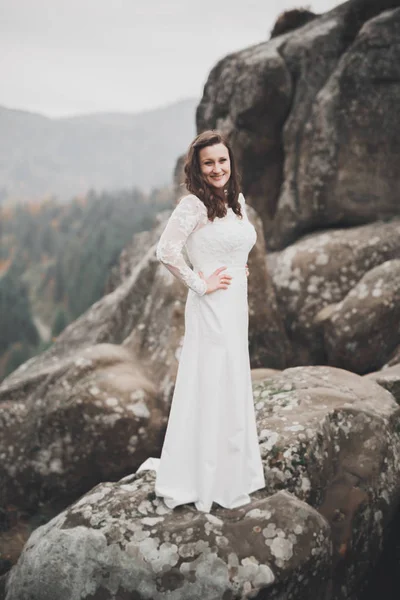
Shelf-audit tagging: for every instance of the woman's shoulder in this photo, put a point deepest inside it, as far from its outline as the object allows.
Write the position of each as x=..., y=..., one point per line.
x=191, y=200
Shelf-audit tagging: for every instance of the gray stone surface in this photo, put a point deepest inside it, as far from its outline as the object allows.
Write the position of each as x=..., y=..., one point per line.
x=389, y=378
x=109, y=320
x=314, y=120
x=330, y=442
x=363, y=330
x=319, y=271
x=117, y=543
x=96, y=419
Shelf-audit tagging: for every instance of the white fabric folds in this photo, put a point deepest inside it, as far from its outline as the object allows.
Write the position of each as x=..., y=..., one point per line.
x=210, y=452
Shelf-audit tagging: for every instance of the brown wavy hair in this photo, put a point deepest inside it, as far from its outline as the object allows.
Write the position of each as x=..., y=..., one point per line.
x=197, y=185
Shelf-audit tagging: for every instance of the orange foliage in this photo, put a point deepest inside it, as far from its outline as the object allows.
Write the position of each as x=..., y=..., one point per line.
x=4, y=265
x=6, y=213
x=34, y=206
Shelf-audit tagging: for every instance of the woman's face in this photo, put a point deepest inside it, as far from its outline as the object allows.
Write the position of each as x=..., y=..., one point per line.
x=215, y=165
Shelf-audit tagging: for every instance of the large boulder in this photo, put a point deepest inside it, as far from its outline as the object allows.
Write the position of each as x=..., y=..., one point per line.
x=342, y=137
x=248, y=96
x=269, y=346
x=318, y=271
x=389, y=378
x=331, y=449
x=314, y=120
x=96, y=420
x=109, y=320
x=329, y=436
x=395, y=360
x=363, y=330
x=120, y=542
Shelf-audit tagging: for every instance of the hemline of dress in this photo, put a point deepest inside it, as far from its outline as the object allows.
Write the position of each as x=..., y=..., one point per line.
x=151, y=464
x=245, y=499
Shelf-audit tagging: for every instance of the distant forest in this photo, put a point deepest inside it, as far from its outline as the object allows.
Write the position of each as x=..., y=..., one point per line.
x=55, y=260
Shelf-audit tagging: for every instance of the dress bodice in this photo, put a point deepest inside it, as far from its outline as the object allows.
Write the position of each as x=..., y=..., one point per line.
x=227, y=240
x=209, y=244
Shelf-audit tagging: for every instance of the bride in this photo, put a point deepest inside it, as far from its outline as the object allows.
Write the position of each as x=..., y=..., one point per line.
x=210, y=451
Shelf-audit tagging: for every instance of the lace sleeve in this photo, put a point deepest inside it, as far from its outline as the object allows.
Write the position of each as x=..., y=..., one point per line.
x=182, y=222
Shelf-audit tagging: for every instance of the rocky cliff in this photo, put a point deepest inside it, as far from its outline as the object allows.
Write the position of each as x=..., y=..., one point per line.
x=313, y=116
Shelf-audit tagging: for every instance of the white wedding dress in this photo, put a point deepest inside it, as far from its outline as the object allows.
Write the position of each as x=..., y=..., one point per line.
x=210, y=452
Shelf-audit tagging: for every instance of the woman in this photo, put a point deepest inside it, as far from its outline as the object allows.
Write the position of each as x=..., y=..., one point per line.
x=210, y=452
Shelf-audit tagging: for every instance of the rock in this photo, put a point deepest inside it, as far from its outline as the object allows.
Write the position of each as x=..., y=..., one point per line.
x=313, y=118
x=388, y=378
x=3, y=581
x=364, y=329
x=248, y=96
x=290, y=20
x=268, y=342
x=319, y=271
x=132, y=254
x=395, y=359
x=259, y=374
x=340, y=140
x=109, y=320
x=96, y=419
x=329, y=437
x=154, y=552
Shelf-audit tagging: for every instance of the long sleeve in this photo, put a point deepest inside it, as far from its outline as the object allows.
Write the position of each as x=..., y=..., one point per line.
x=182, y=222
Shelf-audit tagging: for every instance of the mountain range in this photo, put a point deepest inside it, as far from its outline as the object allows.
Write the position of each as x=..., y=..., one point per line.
x=65, y=157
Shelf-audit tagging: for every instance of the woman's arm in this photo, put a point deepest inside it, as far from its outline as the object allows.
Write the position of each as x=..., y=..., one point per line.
x=181, y=224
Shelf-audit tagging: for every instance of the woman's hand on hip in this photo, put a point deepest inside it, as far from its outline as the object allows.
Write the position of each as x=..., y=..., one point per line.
x=217, y=280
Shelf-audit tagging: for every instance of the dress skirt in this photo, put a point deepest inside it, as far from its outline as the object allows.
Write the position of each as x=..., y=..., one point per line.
x=211, y=451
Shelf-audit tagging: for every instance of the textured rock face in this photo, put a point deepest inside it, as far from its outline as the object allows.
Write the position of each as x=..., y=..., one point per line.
x=363, y=330
x=346, y=146
x=320, y=270
x=97, y=419
x=389, y=379
x=268, y=341
x=110, y=320
x=292, y=19
x=329, y=437
x=323, y=437
x=154, y=553
x=313, y=117
x=248, y=96
x=395, y=360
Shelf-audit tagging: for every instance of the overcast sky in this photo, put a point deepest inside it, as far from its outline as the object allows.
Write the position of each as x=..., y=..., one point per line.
x=64, y=57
